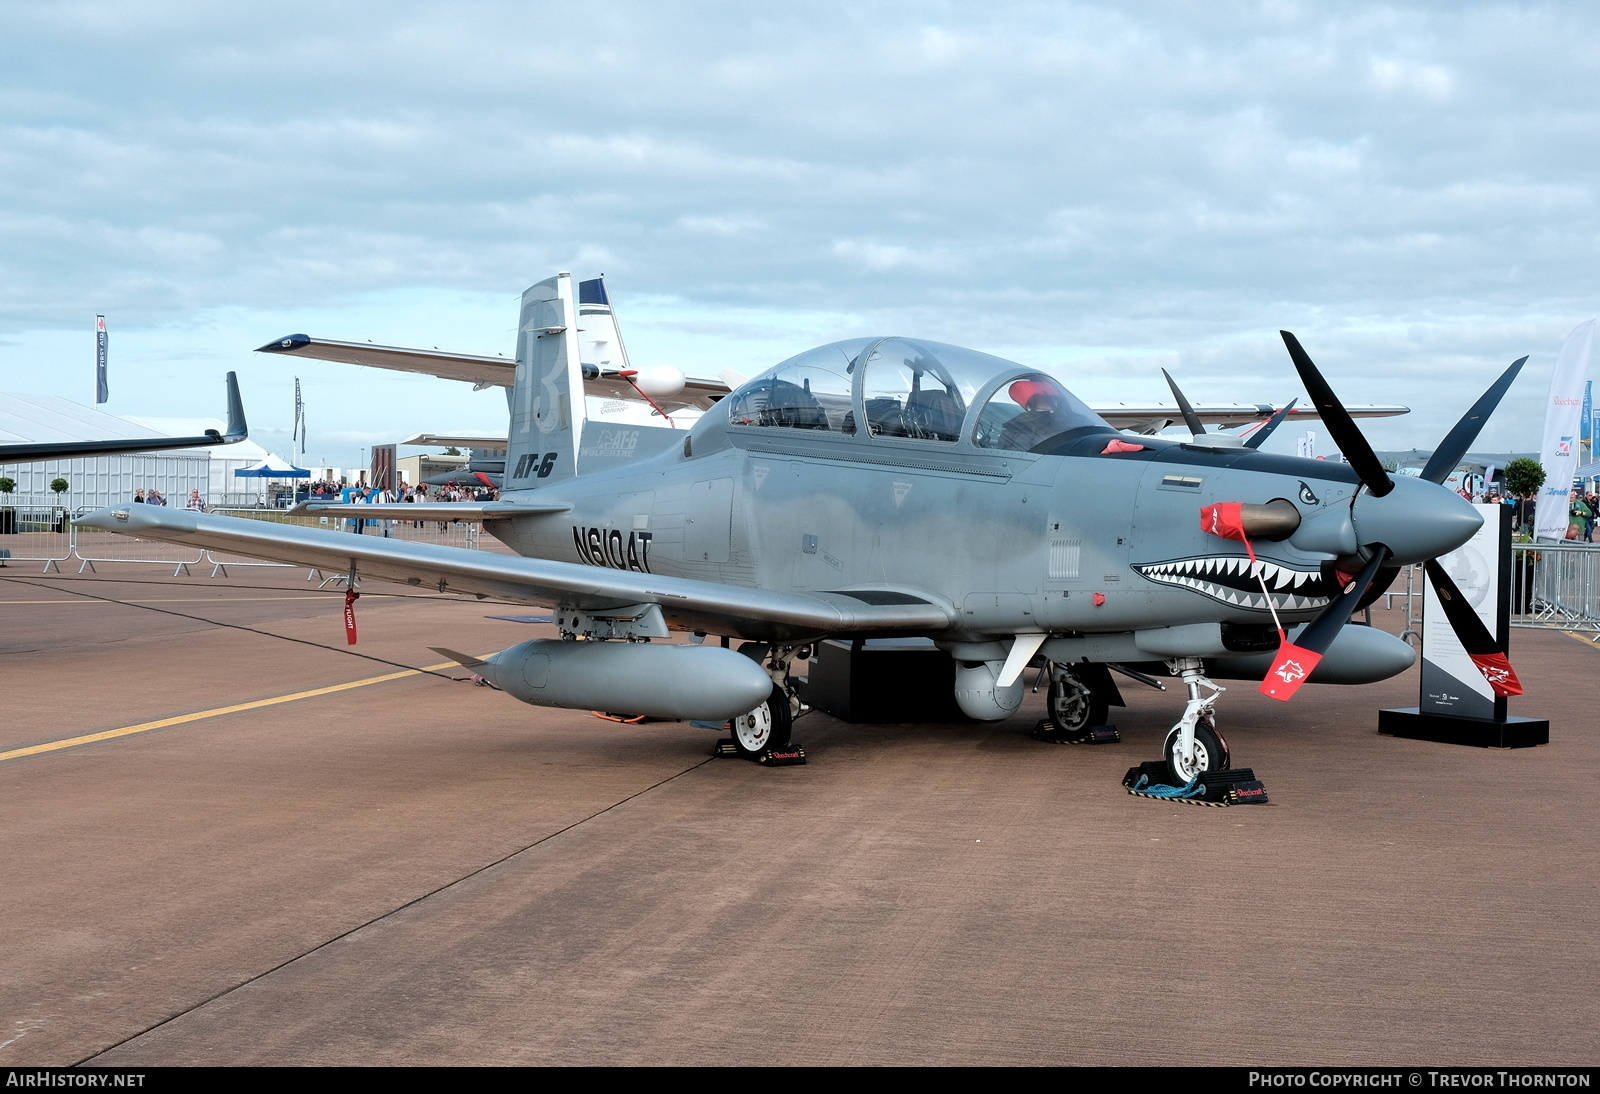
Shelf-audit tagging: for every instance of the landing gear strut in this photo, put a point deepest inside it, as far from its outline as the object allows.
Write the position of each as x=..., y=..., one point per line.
x=1073, y=706
x=1194, y=748
x=769, y=725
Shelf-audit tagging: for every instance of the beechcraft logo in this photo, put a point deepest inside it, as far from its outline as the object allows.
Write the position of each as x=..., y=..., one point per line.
x=1290, y=671
x=1494, y=674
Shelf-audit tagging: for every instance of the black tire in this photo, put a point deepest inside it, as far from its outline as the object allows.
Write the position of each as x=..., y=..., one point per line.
x=1074, y=707
x=1211, y=754
x=767, y=726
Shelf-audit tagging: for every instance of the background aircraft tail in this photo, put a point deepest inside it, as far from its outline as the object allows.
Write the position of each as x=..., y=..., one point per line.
x=547, y=405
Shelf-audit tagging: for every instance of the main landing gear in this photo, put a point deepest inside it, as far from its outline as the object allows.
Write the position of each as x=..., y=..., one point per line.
x=763, y=734
x=1073, y=706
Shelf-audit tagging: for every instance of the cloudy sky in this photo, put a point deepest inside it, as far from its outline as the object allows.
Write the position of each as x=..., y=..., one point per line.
x=1100, y=189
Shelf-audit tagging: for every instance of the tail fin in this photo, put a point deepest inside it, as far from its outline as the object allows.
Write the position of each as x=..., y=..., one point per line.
x=547, y=410
x=600, y=340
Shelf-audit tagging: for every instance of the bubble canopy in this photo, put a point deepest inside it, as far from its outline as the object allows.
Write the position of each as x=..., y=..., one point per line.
x=910, y=389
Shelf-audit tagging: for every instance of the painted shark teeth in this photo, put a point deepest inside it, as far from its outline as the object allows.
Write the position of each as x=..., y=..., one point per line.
x=1231, y=580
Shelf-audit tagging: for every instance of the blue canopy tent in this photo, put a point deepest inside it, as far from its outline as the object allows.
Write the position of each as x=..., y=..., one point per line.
x=272, y=468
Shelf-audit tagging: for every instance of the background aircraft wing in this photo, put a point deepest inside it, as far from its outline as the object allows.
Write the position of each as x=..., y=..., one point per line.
x=694, y=605
x=480, y=371
x=28, y=452
x=1154, y=417
x=475, y=369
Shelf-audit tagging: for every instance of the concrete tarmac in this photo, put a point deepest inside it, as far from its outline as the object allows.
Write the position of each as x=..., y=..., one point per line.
x=413, y=870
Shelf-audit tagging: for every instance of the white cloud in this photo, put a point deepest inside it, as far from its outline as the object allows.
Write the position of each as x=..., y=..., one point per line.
x=1109, y=184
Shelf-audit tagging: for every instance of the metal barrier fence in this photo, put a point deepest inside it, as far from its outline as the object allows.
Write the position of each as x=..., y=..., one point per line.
x=91, y=545
x=33, y=528
x=1556, y=585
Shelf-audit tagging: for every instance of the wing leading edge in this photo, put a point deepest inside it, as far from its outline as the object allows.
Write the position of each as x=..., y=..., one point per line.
x=707, y=606
x=475, y=369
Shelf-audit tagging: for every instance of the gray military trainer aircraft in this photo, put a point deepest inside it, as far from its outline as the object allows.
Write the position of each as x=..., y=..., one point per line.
x=899, y=487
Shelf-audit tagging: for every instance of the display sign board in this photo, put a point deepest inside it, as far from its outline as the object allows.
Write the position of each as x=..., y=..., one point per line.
x=1481, y=568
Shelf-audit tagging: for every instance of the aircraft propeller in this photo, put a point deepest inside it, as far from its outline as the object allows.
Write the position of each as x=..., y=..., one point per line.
x=1190, y=418
x=1256, y=439
x=1296, y=660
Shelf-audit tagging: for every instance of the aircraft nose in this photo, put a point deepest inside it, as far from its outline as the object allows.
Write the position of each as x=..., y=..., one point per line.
x=1417, y=520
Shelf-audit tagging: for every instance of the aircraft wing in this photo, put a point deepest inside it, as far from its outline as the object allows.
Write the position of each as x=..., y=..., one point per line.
x=456, y=440
x=422, y=510
x=480, y=371
x=1154, y=417
x=737, y=611
x=238, y=430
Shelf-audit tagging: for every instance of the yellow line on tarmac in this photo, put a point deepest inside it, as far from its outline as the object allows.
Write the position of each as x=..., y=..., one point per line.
x=145, y=727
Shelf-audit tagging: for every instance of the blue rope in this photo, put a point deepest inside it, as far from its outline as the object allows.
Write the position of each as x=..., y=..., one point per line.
x=1161, y=790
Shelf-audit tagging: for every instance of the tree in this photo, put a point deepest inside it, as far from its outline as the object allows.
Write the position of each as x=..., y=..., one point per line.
x=7, y=485
x=60, y=486
x=1523, y=478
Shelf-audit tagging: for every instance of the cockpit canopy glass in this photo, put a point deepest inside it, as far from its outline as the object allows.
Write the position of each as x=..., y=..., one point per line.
x=910, y=389
x=1029, y=413
x=808, y=391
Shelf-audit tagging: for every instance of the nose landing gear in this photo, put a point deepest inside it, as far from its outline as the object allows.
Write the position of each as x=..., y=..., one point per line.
x=1194, y=748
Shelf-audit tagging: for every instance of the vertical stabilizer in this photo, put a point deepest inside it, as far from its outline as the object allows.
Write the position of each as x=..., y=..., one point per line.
x=547, y=410
x=599, y=338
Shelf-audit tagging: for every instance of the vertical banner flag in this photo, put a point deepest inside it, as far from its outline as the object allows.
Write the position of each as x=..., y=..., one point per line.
x=1559, y=453
x=102, y=389
x=299, y=429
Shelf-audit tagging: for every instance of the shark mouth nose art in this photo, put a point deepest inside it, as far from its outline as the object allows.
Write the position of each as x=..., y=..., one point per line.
x=1227, y=579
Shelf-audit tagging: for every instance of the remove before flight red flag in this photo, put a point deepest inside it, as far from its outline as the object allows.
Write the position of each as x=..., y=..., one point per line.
x=1293, y=663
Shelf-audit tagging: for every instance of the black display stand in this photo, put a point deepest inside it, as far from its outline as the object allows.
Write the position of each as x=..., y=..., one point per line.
x=882, y=681
x=1447, y=711
x=1450, y=729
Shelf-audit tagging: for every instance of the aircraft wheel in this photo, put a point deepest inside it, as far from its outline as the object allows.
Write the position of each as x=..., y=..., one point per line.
x=1210, y=754
x=765, y=727
x=1073, y=706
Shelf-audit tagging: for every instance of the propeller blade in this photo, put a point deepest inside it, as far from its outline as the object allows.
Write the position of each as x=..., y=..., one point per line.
x=1296, y=660
x=1380, y=585
x=1260, y=435
x=1341, y=427
x=1455, y=445
x=1487, y=654
x=1190, y=418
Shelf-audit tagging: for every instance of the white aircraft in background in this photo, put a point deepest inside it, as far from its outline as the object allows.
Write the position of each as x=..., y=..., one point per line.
x=617, y=393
